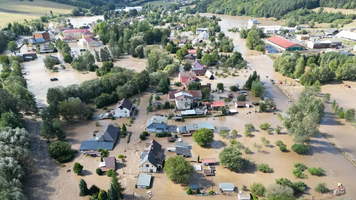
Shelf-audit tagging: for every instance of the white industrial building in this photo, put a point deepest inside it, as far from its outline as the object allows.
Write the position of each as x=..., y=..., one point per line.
x=346, y=35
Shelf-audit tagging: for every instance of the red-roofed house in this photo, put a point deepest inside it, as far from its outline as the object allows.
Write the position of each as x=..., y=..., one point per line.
x=75, y=33
x=69, y=39
x=192, y=51
x=91, y=42
x=215, y=105
x=208, y=161
x=184, y=76
x=284, y=44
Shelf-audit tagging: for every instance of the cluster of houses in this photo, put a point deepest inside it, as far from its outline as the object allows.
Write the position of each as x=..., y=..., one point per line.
x=84, y=36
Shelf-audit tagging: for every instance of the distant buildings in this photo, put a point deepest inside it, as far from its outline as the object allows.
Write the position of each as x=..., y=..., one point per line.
x=184, y=76
x=204, y=35
x=91, y=42
x=196, y=94
x=200, y=30
x=284, y=44
x=183, y=100
x=346, y=35
x=75, y=33
x=127, y=9
x=324, y=44
x=252, y=22
x=41, y=34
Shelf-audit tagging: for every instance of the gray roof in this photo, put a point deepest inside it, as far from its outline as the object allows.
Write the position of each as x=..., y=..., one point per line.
x=108, y=134
x=144, y=180
x=206, y=125
x=183, y=151
x=125, y=104
x=182, y=129
x=150, y=158
x=182, y=144
x=224, y=128
x=157, y=119
x=95, y=145
x=155, y=154
x=227, y=186
x=191, y=127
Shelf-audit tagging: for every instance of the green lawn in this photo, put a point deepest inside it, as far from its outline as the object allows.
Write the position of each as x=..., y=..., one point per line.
x=160, y=3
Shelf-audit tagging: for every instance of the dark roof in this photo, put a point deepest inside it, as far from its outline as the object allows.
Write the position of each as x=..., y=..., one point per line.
x=125, y=104
x=110, y=163
x=208, y=172
x=109, y=134
x=198, y=64
x=183, y=151
x=95, y=145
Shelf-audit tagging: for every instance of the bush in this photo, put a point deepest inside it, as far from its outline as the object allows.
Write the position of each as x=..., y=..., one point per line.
x=157, y=97
x=264, y=168
x=77, y=168
x=163, y=134
x=121, y=156
x=321, y=188
x=211, y=192
x=300, y=166
x=99, y=171
x=61, y=151
x=244, y=187
x=131, y=120
x=136, y=186
x=257, y=189
x=341, y=113
x=316, y=171
x=110, y=173
x=189, y=191
x=247, y=150
x=279, y=143
x=265, y=141
x=241, y=98
x=278, y=129
x=300, y=148
x=299, y=173
x=265, y=126
x=283, y=148
x=299, y=186
x=97, y=124
x=142, y=136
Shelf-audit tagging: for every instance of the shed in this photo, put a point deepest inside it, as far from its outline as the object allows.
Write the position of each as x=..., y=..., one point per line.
x=240, y=104
x=224, y=128
x=208, y=161
x=143, y=181
x=244, y=196
x=208, y=172
x=227, y=187
x=284, y=44
x=182, y=130
x=183, y=151
x=183, y=144
x=109, y=163
x=197, y=167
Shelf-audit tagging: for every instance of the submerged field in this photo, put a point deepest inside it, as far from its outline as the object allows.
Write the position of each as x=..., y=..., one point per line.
x=19, y=10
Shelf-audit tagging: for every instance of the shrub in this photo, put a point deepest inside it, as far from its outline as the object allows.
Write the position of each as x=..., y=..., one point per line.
x=241, y=98
x=265, y=126
x=248, y=133
x=257, y=189
x=300, y=166
x=77, y=168
x=247, y=150
x=147, y=187
x=244, y=187
x=283, y=148
x=189, y=191
x=197, y=190
x=99, y=171
x=278, y=129
x=249, y=127
x=265, y=141
x=131, y=120
x=316, y=171
x=157, y=97
x=163, y=134
x=321, y=188
x=299, y=186
x=110, y=173
x=136, y=186
x=211, y=192
x=142, y=136
x=61, y=151
x=264, y=168
x=121, y=156
x=279, y=116
x=300, y=148
x=299, y=173
x=279, y=143
x=136, y=111
x=97, y=124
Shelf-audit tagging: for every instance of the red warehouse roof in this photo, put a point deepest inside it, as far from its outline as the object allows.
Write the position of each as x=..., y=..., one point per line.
x=281, y=42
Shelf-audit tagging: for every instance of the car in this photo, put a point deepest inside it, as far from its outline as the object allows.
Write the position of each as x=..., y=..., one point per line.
x=347, y=86
x=271, y=80
x=54, y=79
x=280, y=82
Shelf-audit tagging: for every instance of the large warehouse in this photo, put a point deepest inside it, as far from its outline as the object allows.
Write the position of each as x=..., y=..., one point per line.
x=346, y=35
x=284, y=44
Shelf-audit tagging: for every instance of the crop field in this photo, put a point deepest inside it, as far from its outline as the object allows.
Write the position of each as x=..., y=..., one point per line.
x=333, y=10
x=15, y=10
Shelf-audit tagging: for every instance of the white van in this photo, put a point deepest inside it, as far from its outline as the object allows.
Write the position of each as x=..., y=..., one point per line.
x=171, y=149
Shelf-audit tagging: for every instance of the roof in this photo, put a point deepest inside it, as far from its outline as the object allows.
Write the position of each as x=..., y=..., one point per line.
x=75, y=30
x=206, y=125
x=202, y=29
x=108, y=134
x=281, y=41
x=227, y=186
x=95, y=145
x=208, y=172
x=182, y=129
x=144, y=180
x=192, y=127
x=151, y=158
x=187, y=74
x=209, y=73
x=197, y=64
x=208, y=160
x=217, y=103
x=244, y=196
x=224, y=128
x=239, y=103
x=182, y=144
x=157, y=119
x=90, y=39
x=346, y=34
x=183, y=151
x=197, y=167
x=194, y=93
x=124, y=103
x=110, y=163
x=37, y=40
x=69, y=38
x=192, y=51
x=156, y=103
x=184, y=94
x=105, y=140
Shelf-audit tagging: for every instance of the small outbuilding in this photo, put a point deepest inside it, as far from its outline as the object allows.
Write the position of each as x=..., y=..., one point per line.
x=144, y=181
x=108, y=163
x=244, y=196
x=183, y=151
x=208, y=172
x=208, y=161
x=227, y=187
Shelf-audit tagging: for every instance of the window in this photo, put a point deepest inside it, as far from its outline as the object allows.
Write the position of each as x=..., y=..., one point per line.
x=125, y=111
x=147, y=165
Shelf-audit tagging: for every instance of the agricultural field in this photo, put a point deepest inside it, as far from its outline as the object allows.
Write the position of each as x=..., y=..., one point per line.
x=333, y=10
x=160, y=3
x=18, y=10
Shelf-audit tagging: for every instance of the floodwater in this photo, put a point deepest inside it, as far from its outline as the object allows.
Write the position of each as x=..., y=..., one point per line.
x=82, y=21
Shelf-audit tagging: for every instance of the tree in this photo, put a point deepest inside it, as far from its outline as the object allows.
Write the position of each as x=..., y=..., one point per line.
x=99, y=171
x=321, y=188
x=207, y=59
x=199, y=53
x=49, y=62
x=230, y=157
x=187, y=67
x=257, y=189
x=112, y=193
x=224, y=133
x=264, y=168
x=10, y=119
x=206, y=93
x=163, y=86
x=67, y=58
x=77, y=168
x=253, y=40
x=47, y=130
x=340, y=113
x=114, y=180
x=61, y=151
x=189, y=191
x=350, y=115
x=220, y=86
x=104, y=54
x=178, y=169
x=12, y=46
x=97, y=57
x=139, y=51
x=181, y=53
x=326, y=98
x=276, y=191
x=257, y=88
x=300, y=68
x=203, y=136
x=83, y=188
x=234, y=88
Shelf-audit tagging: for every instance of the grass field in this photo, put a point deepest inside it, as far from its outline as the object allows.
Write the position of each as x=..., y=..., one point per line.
x=160, y=3
x=333, y=10
x=15, y=10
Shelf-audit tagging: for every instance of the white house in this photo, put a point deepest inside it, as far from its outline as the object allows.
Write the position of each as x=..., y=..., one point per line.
x=123, y=109
x=204, y=35
x=200, y=30
x=184, y=100
x=152, y=158
x=91, y=42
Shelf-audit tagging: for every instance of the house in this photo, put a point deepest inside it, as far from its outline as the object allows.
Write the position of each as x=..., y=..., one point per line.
x=319, y=44
x=152, y=158
x=69, y=39
x=209, y=74
x=284, y=44
x=184, y=76
x=197, y=65
x=206, y=125
x=227, y=187
x=108, y=163
x=183, y=145
x=34, y=41
x=243, y=196
x=196, y=41
x=75, y=33
x=182, y=130
x=208, y=161
x=105, y=140
x=123, y=109
x=240, y=104
x=91, y=42
x=197, y=95
x=45, y=48
x=144, y=181
x=183, y=100
x=200, y=30
x=29, y=56
x=199, y=72
x=189, y=57
x=157, y=124
x=204, y=35
x=189, y=81
x=192, y=51
x=41, y=34
x=208, y=172
x=191, y=128
x=183, y=151
x=331, y=32
x=215, y=105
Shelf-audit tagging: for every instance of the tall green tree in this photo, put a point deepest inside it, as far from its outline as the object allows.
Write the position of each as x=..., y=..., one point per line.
x=12, y=46
x=83, y=188
x=231, y=158
x=203, y=136
x=178, y=169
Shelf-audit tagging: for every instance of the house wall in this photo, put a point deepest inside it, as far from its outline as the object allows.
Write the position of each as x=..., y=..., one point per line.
x=124, y=112
x=148, y=167
x=183, y=104
x=93, y=44
x=76, y=35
